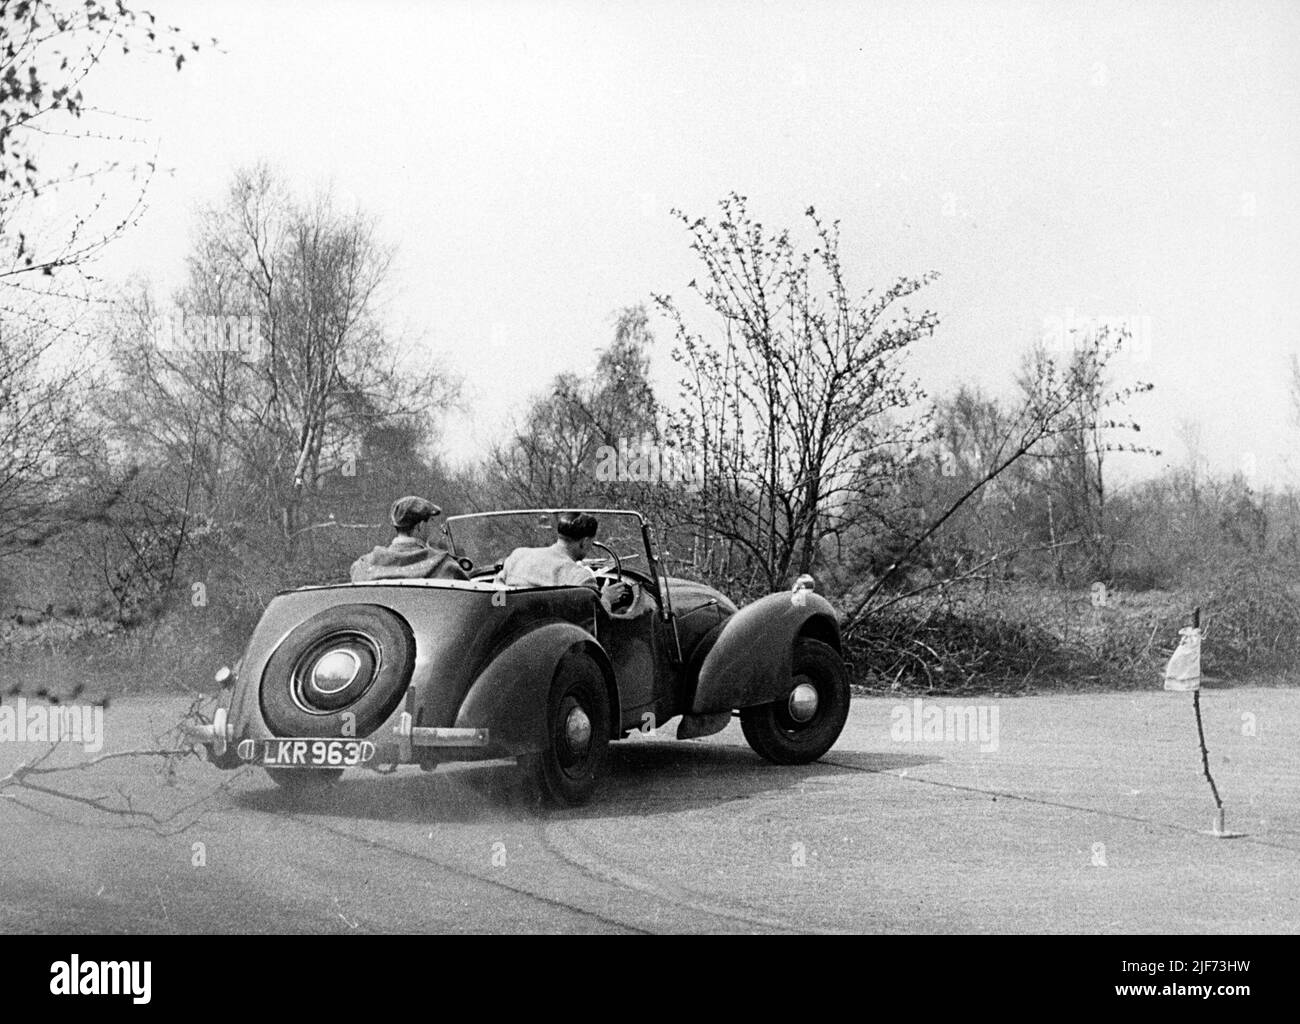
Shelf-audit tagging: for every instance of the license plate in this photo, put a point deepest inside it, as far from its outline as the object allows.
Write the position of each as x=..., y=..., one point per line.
x=307, y=753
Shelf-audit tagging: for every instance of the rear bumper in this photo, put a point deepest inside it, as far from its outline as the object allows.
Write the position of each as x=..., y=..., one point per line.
x=410, y=736
x=396, y=742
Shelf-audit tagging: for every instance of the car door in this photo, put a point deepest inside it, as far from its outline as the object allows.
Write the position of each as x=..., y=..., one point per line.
x=636, y=652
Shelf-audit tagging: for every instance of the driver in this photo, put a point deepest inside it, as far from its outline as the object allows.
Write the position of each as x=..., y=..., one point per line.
x=560, y=564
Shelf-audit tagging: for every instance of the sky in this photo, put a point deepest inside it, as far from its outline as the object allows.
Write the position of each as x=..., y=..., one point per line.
x=1048, y=160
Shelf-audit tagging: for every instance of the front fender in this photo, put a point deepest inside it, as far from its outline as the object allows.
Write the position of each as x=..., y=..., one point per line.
x=509, y=696
x=750, y=662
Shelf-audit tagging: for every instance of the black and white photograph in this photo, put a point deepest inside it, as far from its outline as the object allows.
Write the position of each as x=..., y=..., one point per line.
x=549, y=467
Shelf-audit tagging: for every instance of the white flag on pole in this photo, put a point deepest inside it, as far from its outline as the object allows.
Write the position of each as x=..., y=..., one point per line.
x=1184, y=669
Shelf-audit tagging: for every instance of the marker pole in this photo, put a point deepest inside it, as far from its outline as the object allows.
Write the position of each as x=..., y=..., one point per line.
x=1219, y=831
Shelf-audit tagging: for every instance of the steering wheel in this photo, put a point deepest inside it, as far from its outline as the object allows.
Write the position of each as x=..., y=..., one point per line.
x=633, y=598
x=618, y=562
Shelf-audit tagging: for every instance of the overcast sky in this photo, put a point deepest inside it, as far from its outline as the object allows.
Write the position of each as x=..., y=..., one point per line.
x=1121, y=160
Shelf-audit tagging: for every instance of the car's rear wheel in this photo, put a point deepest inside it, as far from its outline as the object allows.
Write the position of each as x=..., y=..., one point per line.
x=341, y=672
x=807, y=719
x=568, y=771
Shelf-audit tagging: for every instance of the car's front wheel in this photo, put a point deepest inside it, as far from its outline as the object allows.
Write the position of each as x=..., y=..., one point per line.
x=568, y=771
x=805, y=722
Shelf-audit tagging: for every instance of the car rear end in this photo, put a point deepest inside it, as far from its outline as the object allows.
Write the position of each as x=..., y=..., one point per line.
x=379, y=674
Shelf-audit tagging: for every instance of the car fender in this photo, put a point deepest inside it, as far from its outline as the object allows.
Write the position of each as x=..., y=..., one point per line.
x=509, y=696
x=750, y=661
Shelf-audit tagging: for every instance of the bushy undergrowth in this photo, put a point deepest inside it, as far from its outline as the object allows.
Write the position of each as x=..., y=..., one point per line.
x=1018, y=638
x=1008, y=638
x=1251, y=621
x=951, y=651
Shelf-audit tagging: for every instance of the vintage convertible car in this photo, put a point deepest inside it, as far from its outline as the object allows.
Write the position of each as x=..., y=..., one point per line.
x=424, y=671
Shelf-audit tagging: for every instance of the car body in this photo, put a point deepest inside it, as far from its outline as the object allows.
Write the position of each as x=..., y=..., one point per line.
x=392, y=672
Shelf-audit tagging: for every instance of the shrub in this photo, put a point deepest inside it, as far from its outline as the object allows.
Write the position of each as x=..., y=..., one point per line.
x=1251, y=619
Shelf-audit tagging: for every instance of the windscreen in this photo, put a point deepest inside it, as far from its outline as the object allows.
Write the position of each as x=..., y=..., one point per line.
x=488, y=538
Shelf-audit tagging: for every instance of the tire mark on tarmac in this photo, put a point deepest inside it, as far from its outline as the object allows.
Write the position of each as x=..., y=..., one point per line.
x=569, y=847
x=453, y=869
x=1052, y=803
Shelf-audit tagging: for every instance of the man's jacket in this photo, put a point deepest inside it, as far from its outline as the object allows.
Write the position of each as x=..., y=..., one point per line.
x=408, y=559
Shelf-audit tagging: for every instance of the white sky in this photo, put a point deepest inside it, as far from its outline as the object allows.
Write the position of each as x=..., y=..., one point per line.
x=1110, y=159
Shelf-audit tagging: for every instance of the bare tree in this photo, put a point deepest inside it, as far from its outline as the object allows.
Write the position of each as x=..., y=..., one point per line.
x=42, y=440
x=48, y=54
x=256, y=431
x=798, y=405
x=969, y=428
x=1061, y=404
x=552, y=457
x=55, y=216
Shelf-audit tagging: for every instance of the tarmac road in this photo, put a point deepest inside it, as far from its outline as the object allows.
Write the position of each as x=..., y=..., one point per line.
x=1087, y=817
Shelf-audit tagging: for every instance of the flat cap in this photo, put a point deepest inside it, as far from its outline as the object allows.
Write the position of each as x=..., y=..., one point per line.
x=412, y=510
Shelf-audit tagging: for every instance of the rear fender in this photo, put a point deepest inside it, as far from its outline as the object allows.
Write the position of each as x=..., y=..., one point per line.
x=750, y=662
x=509, y=696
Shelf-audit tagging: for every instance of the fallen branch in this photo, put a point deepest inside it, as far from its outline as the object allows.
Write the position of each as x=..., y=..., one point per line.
x=21, y=780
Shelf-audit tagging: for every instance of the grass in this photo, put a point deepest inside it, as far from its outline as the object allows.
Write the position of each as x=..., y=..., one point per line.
x=91, y=660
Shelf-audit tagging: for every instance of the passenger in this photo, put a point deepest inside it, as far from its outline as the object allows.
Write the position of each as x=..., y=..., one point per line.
x=560, y=564
x=409, y=556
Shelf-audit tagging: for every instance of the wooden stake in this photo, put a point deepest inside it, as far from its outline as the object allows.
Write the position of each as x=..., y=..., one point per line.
x=1219, y=830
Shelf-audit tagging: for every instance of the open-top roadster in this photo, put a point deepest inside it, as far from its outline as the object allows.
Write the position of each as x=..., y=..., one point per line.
x=423, y=671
